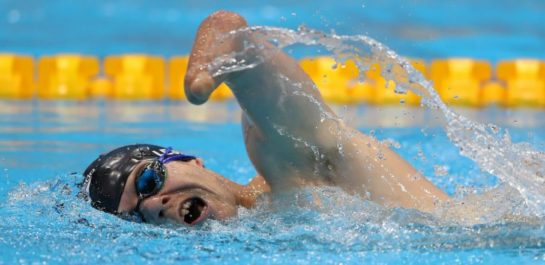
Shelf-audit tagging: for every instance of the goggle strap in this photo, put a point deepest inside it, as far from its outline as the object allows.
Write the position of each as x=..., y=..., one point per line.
x=163, y=159
x=164, y=155
x=178, y=158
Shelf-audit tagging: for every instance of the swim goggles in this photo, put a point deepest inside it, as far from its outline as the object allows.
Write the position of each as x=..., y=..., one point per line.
x=152, y=178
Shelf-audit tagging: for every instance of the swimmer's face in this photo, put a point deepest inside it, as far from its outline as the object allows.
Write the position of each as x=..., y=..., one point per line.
x=190, y=195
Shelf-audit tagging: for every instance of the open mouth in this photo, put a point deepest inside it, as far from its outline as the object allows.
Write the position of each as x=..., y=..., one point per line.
x=193, y=210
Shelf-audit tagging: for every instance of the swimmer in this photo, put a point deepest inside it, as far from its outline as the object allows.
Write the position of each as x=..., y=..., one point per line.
x=287, y=138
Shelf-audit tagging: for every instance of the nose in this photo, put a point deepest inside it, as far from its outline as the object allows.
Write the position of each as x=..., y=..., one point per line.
x=154, y=208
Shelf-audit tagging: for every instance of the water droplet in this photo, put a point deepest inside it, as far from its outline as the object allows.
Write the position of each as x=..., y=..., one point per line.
x=421, y=155
x=440, y=170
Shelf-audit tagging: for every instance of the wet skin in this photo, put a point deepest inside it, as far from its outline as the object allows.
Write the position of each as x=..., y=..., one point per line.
x=190, y=195
x=286, y=137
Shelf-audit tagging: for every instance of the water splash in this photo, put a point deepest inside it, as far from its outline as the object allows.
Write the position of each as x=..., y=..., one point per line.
x=516, y=164
x=46, y=222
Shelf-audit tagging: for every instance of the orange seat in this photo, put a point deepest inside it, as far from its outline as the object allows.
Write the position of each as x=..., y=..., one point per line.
x=525, y=82
x=136, y=76
x=16, y=76
x=66, y=76
x=459, y=80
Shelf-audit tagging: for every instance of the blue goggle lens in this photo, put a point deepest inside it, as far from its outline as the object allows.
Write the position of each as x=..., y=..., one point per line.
x=150, y=180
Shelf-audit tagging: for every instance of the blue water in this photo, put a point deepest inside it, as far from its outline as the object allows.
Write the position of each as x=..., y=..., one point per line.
x=44, y=147
x=487, y=29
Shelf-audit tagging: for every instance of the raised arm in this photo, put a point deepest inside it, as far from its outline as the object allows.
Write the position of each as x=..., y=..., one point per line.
x=275, y=94
x=292, y=136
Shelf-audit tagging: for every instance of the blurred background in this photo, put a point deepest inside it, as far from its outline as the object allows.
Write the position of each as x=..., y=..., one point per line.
x=485, y=29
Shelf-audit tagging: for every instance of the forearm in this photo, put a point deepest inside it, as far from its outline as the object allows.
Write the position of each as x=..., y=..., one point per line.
x=276, y=94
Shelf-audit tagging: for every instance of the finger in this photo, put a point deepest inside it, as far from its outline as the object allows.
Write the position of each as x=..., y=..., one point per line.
x=199, y=83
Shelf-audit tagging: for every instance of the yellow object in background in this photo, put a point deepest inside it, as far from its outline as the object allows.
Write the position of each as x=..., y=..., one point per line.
x=101, y=88
x=384, y=90
x=136, y=76
x=354, y=90
x=223, y=92
x=493, y=93
x=16, y=76
x=177, y=71
x=319, y=69
x=459, y=80
x=66, y=76
x=525, y=82
x=337, y=82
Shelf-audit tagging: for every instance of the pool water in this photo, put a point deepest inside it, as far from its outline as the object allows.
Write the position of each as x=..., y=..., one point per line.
x=46, y=145
x=428, y=29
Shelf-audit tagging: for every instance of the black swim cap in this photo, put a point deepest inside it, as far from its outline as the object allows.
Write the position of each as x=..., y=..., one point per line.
x=105, y=178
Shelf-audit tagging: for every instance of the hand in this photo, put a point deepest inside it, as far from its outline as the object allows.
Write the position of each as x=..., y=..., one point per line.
x=199, y=83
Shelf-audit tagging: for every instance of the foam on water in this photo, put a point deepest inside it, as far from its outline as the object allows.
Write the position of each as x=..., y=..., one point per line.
x=314, y=224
